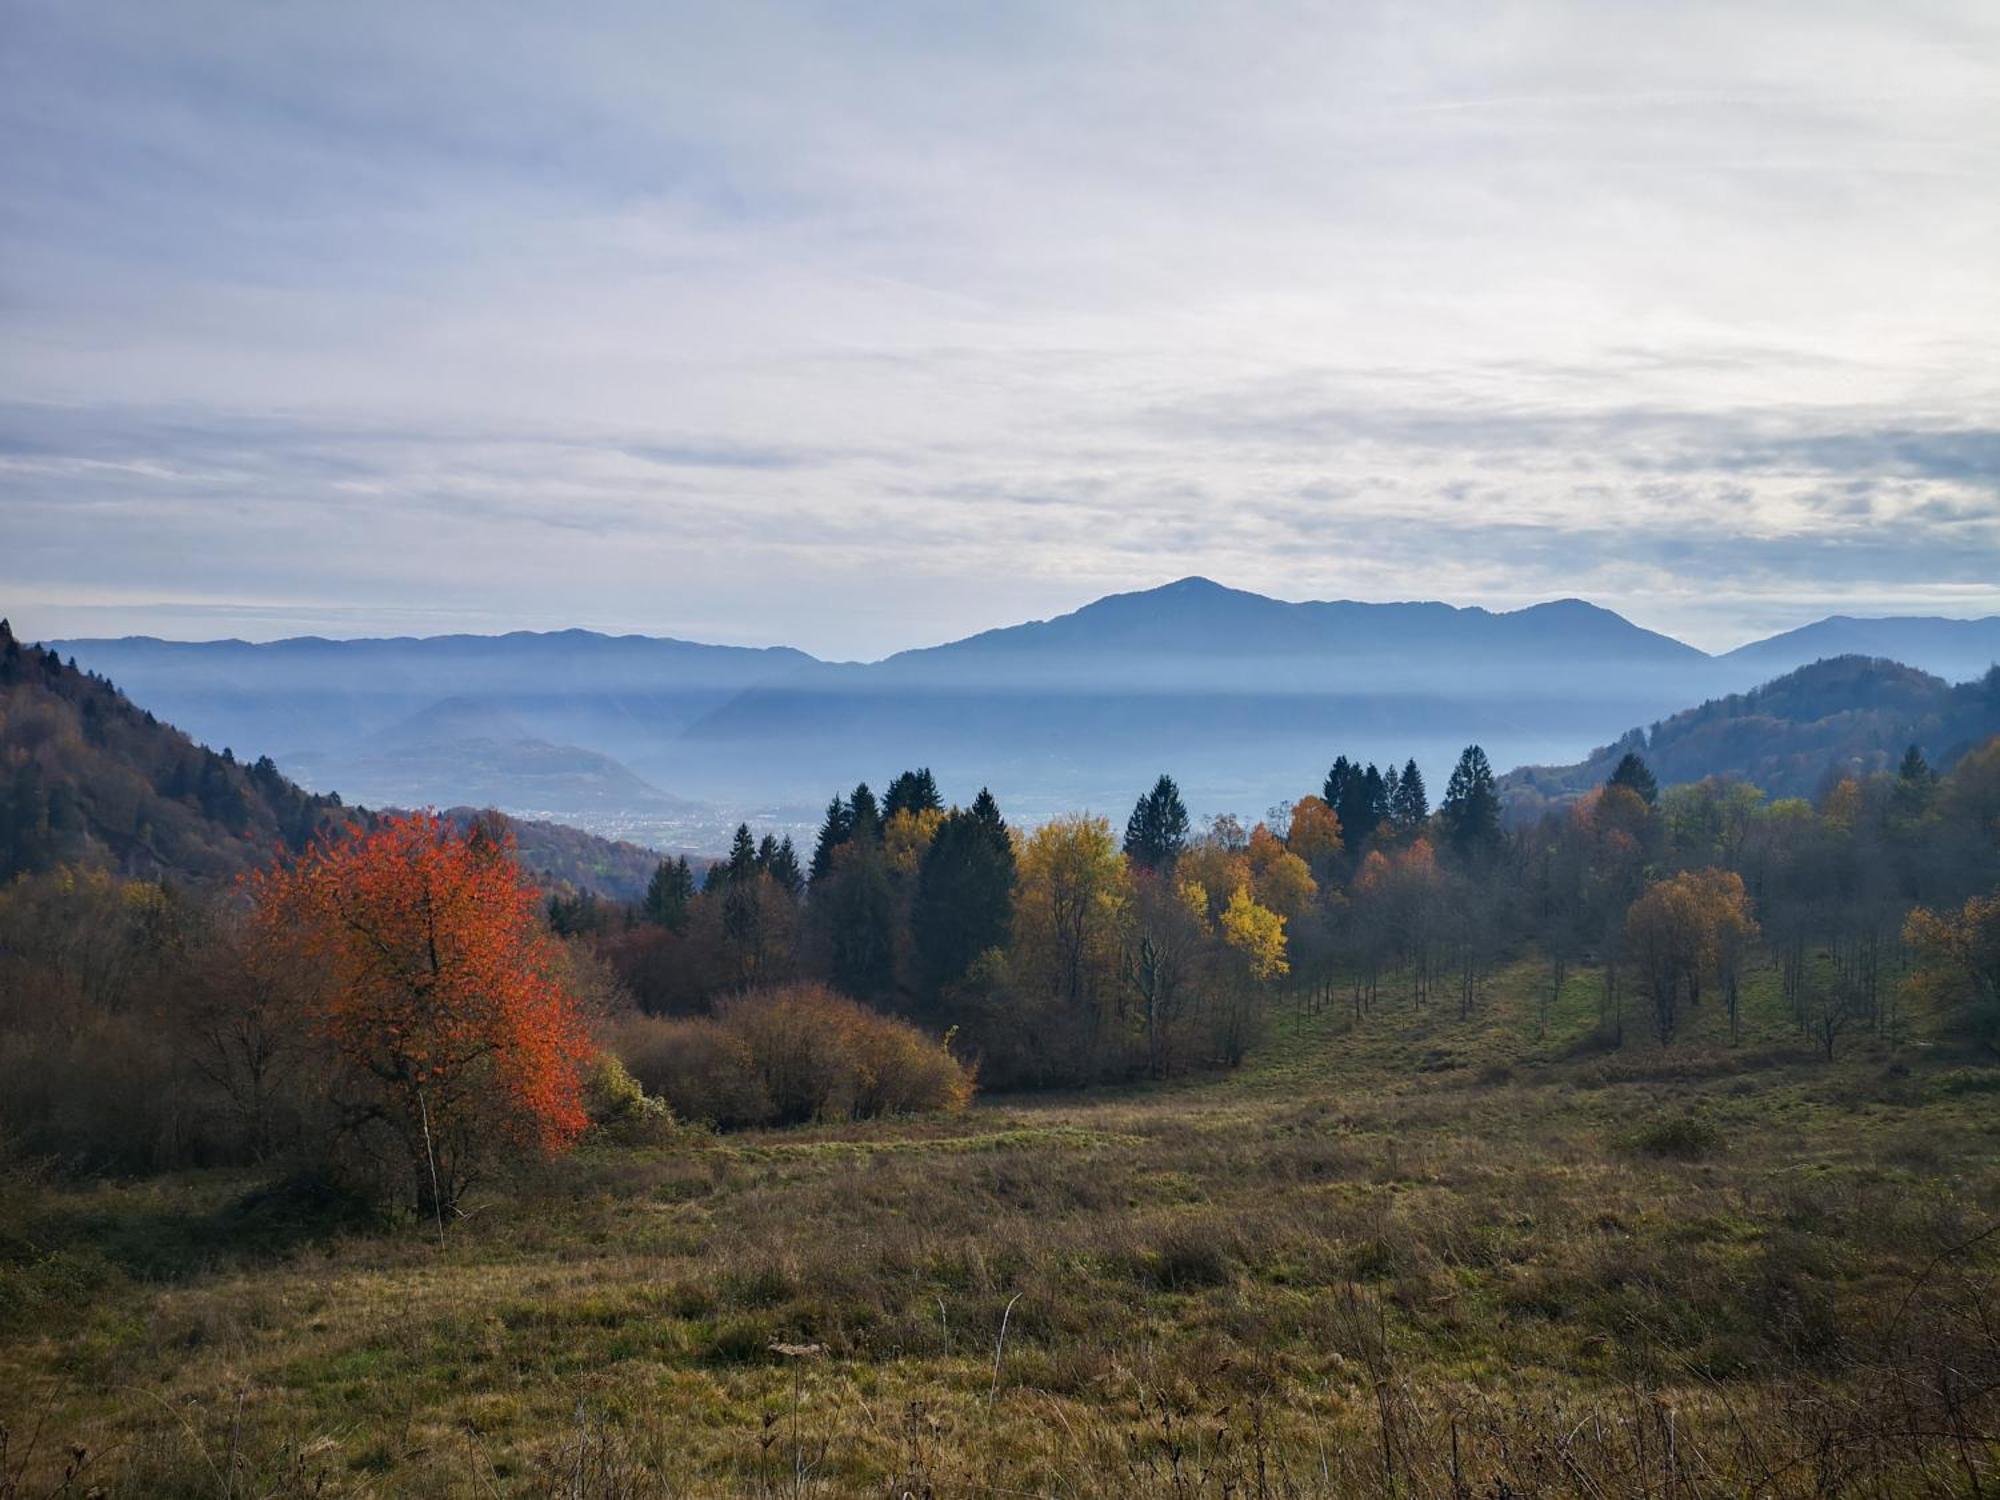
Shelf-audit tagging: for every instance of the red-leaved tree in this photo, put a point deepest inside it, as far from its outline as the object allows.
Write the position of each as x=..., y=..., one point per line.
x=429, y=973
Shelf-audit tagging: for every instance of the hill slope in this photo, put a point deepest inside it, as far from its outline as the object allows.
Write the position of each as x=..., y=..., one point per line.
x=88, y=778
x=1845, y=715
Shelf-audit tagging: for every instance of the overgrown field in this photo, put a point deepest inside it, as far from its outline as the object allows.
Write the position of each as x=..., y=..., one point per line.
x=1410, y=1254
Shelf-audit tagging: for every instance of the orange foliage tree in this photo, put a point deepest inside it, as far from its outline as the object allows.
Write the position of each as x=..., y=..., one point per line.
x=434, y=981
x=1693, y=925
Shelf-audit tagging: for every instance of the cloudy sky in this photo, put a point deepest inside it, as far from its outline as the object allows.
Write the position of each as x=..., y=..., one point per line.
x=860, y=326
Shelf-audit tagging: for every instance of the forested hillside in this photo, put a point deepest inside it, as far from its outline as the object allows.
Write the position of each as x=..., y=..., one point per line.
x=1846, y=716
x=90, y=780
x=87, y=778
x=558, y=857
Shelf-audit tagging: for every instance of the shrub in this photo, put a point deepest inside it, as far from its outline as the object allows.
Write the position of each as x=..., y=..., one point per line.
x=619, y=1107
x=820, y=1055
x=703, y=1072
x=789, y=1055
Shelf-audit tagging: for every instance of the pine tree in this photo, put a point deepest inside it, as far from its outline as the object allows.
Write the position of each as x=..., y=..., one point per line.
x=1470, y=811
x=1915, y=770
x=1157, y=831
x=1634, y=774
x=1411, y=804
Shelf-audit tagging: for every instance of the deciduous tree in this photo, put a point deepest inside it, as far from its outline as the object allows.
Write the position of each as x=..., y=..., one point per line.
x=440, y=991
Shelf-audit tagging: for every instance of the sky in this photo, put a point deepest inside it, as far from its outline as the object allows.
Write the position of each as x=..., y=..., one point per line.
x=865, y=326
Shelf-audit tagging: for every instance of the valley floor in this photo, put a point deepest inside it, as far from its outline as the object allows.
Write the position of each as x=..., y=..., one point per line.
x=1409, y=1254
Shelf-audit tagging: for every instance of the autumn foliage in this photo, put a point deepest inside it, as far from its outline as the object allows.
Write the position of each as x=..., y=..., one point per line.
x=436, y=985
x=792, y=1054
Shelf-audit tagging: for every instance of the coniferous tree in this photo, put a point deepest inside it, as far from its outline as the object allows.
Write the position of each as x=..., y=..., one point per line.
x=1360, y=808
x=1411, y=803
x=784, y=868
x=1636, y=776
x=857, y=906
x=742, y=865
x=913, y=791
x=864, y=817
x=1157, y=831
x=1470, y=811
x=1376, y=788
x=833, y=832
x=1334, y=789
x=964, y=902
x=668, y=894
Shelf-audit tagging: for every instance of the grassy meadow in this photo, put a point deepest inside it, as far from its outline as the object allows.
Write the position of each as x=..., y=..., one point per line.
x=1410, y=1254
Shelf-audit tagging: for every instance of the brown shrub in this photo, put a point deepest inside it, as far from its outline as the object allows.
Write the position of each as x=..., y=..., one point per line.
x=789, y=1055
x=703, y=1072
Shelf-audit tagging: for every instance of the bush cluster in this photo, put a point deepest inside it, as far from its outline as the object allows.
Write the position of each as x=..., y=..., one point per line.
x=788, y=1055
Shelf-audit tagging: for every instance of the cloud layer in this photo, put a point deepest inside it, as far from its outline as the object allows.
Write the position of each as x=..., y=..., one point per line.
x=859, y=327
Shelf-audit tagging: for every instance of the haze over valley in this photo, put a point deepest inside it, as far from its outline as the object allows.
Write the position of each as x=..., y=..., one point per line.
x=1246, y=698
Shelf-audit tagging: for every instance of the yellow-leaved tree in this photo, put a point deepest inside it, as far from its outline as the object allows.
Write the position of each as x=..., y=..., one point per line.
x=1279, y=879
x=1957, y=974
x=1071, y=896
x=1257, y=933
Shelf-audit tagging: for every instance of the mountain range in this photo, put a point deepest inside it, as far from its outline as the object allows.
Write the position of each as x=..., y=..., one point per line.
x=1243, y=697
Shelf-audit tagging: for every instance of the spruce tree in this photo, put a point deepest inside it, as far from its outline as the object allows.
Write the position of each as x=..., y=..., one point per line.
x=835, y=831
x=784, y=868
x=1375, y=788
x=668, y=894
x=1411, y=803
x=742, y=912
x=1359, y=807
x=1334, y=789
x=913, y=791
x=1157, y=831
x=857, y=907
x=864, y=818
x=964, y=902
x=742, y=865
x=1634, y=774
x=1470, y=811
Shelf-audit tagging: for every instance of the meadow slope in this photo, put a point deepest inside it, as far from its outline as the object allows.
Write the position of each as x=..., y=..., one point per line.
x=1407, y=1254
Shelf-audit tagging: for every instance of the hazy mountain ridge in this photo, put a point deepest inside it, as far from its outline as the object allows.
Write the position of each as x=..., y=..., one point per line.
x=1956, y=650
x=1846, y=715
x=1245, y=697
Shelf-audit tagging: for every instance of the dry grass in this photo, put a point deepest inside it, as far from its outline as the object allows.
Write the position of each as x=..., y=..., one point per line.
x=1418, y=1257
